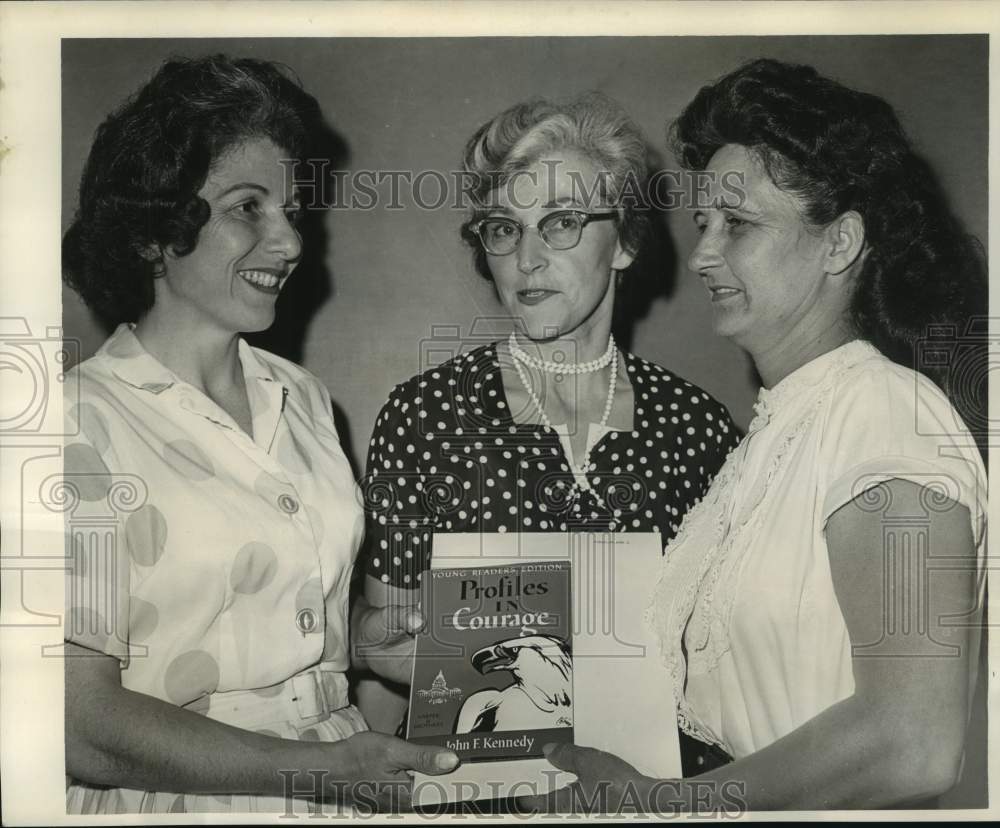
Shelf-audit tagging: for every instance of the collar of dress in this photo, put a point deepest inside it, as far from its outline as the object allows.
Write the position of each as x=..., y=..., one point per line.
x=770, y=400
x=133, y=364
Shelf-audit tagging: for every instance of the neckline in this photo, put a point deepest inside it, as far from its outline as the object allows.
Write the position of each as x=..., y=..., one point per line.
x=507, y=417
x=594, y=430
x=133, y=364
x=560, y=431
x=812, y=374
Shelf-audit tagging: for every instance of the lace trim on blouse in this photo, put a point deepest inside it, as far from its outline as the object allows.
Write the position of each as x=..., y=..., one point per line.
x=693, y=600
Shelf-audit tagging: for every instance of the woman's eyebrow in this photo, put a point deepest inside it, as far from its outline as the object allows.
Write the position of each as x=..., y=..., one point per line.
x=246, y=185
x=563, y=201
x=743, y=205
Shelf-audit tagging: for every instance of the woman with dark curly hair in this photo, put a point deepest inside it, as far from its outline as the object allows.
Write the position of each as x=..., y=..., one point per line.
x=207, y=652
x=554, y=428
x=818, y=609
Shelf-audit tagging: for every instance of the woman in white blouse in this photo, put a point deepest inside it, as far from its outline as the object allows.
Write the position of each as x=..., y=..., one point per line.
x=207, y=649
x=818, y=610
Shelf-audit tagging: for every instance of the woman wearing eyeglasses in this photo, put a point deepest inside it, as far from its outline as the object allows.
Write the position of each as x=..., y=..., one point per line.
x=554, y=428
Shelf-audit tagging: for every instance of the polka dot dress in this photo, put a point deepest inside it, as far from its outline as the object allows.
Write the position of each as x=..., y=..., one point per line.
x=447, y=456
x=207, y=560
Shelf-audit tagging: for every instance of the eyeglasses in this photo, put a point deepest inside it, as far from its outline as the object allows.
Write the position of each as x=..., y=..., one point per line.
x=560, y=230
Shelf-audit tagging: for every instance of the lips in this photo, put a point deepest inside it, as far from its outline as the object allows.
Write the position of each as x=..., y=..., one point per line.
x=266, y=280
x=720, y=293
x=534, y=295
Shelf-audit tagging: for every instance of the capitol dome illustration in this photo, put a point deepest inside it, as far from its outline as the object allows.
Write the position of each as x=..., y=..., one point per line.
x=439, y=691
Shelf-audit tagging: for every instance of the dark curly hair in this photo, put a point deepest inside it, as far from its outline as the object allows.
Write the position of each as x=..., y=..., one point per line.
x=594, y=125
x=837, y=149
x=139, y=190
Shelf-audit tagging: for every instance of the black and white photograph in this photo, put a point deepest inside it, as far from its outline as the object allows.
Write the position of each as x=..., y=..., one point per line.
x=300, y=297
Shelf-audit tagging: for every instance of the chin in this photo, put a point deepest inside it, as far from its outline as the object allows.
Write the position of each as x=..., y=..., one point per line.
x=741, y=337
x=729, y=325
x=256, y=324
x=542, y=333
x=538, y=327
x=545, y=333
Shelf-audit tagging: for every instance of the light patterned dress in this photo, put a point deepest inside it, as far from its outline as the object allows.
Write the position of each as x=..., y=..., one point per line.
x=745, y=610
x=232, y=555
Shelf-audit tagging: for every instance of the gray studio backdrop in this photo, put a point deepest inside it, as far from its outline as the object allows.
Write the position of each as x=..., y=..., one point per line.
x=383, y=289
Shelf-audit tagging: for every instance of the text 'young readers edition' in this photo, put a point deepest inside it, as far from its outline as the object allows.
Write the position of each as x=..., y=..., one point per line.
x=493, y=670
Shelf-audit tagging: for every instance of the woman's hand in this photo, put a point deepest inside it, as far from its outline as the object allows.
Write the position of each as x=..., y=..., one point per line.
x=121, y=738
x=382, y=638
x=605, y=784
x=371, y=770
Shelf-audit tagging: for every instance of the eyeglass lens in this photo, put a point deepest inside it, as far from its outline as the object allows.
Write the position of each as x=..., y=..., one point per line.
x=560, y=231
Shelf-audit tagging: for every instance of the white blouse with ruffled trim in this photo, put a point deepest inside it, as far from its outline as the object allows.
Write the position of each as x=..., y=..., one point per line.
x=745, y=610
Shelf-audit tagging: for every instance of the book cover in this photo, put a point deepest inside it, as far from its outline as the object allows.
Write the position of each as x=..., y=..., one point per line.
x=493, y=670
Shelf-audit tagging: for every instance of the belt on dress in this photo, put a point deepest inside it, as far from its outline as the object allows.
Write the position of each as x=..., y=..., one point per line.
x=319, y=692
x=308, y=697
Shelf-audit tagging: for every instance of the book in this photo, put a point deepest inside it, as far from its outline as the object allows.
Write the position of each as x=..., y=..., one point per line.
x=493, y=669
x=622, y=699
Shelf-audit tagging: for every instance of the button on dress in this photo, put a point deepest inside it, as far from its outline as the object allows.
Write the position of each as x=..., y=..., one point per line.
x=231, y=556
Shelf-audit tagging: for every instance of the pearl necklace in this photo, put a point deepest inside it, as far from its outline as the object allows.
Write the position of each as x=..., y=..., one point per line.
x=550, y=367
x=611, y=355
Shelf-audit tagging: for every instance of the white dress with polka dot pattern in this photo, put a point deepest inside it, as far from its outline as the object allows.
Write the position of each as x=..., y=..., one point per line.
x=229, y=557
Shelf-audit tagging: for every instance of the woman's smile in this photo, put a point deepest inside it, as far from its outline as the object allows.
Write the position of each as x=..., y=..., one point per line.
x=266, y=280
x=721, y=293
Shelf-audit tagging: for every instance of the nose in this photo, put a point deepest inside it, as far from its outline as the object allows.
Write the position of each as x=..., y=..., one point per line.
x=707, y=252
x=531, y=251
x=283, y=239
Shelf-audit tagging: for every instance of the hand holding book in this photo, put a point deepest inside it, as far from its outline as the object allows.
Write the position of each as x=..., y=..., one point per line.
x=496, y=678
x=604, y=784
x=493, y=674
x=374, y=771
x=382, y=639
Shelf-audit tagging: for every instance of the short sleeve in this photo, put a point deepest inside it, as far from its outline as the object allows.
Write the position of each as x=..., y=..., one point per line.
x=98, y=571
x=398, y=529
x=888, y=422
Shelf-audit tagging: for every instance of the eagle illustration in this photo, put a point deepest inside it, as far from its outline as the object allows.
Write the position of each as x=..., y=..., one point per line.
x=541, y=695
